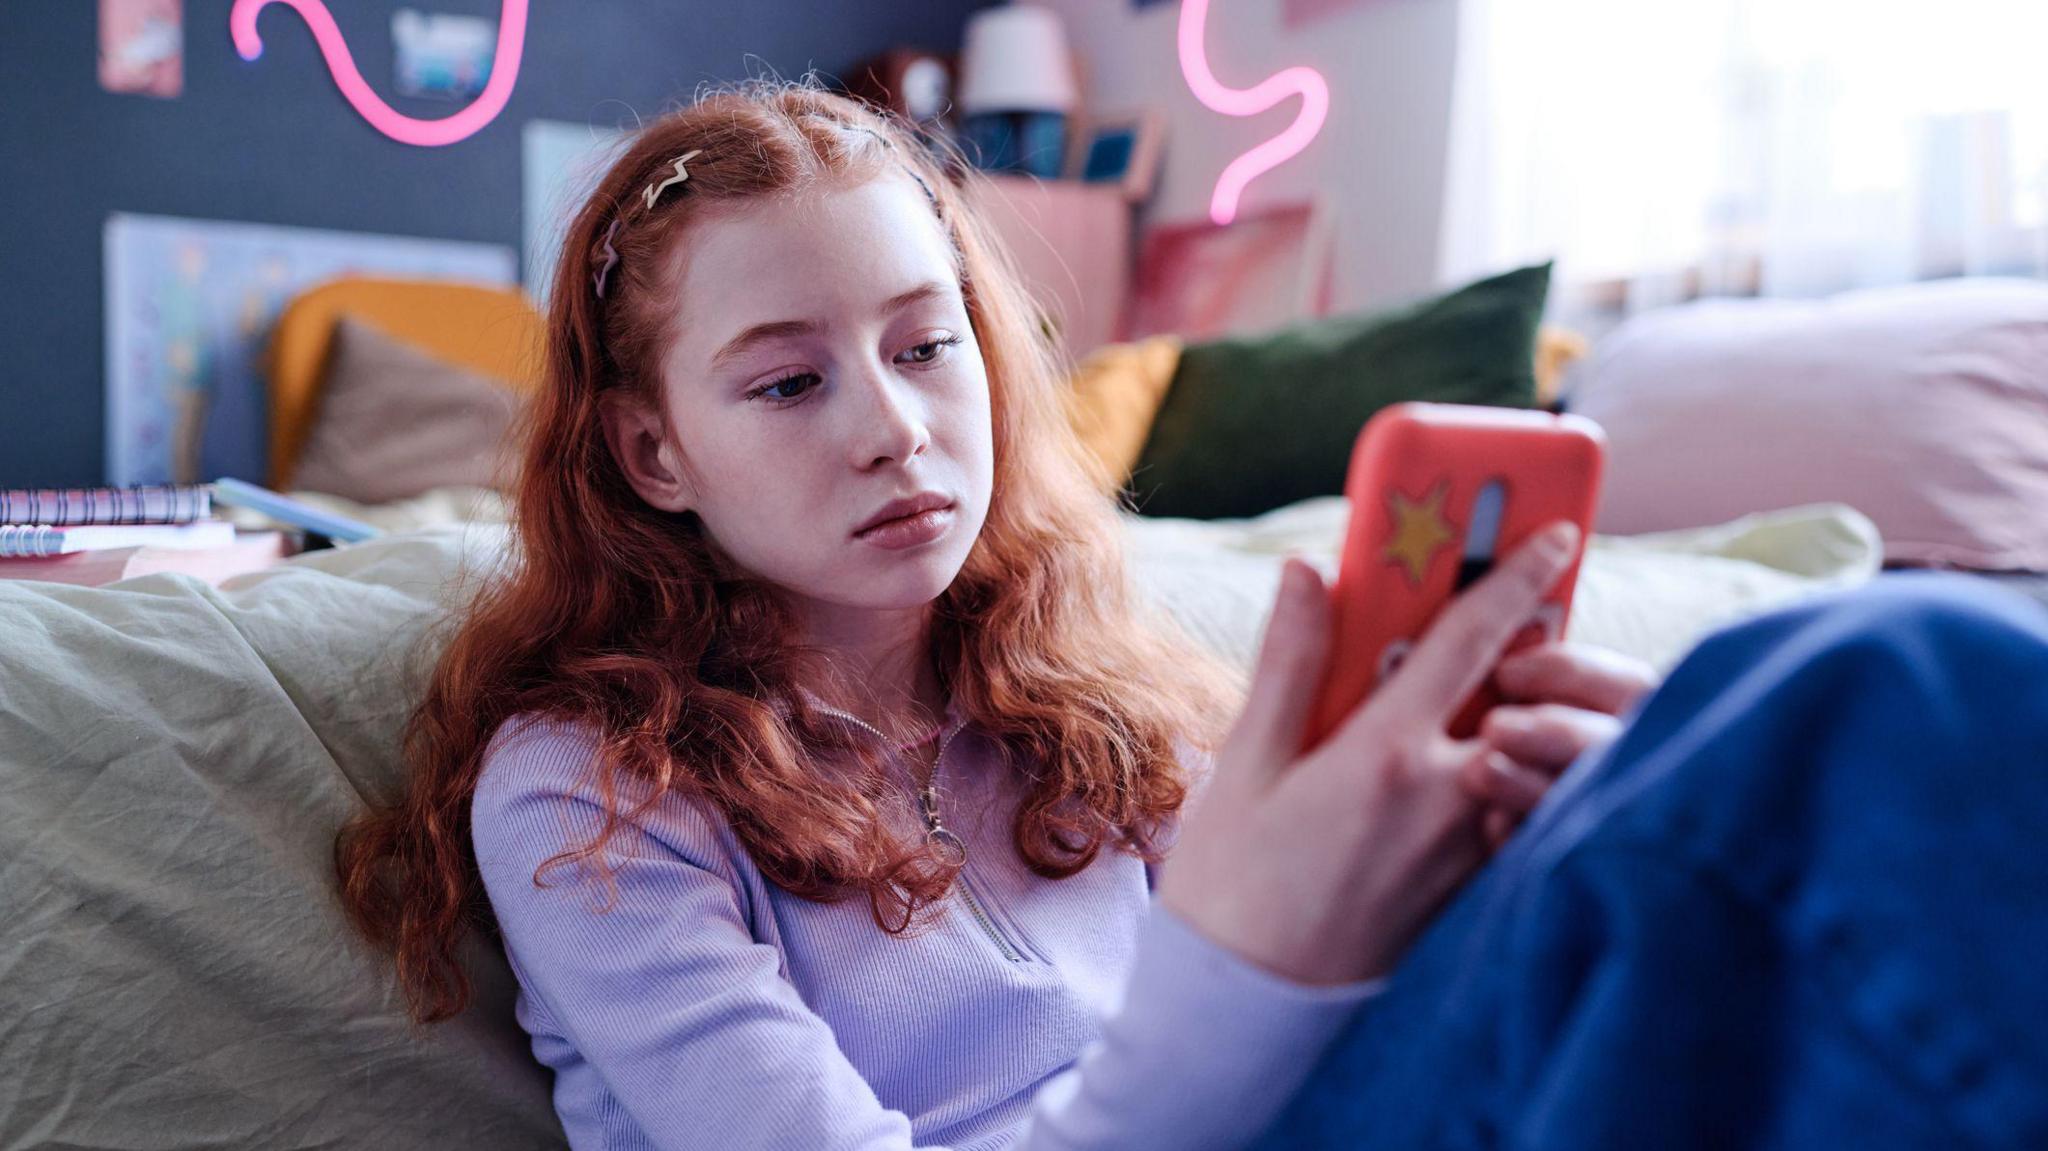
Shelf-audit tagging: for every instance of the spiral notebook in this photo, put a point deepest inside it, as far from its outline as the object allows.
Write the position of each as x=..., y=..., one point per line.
x=142, y=504
x=45, y=540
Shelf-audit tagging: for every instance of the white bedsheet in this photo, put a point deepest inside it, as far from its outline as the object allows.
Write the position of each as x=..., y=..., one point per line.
x=1652, y=596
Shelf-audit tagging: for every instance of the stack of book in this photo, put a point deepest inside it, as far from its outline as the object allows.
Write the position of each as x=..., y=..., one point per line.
x=99, y=535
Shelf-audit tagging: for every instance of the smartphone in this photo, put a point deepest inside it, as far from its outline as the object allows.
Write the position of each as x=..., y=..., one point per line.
x=1438, y=493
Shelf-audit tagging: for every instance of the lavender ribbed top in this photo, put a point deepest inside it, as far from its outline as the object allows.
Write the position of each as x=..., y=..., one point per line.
x=709, y=1008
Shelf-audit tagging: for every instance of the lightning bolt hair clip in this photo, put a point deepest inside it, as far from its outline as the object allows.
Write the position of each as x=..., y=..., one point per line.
x=654, y=191
x=611, y=257
x=651, y=195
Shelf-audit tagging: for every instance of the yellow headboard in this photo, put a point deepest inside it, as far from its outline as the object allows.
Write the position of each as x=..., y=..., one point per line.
x=491, y=330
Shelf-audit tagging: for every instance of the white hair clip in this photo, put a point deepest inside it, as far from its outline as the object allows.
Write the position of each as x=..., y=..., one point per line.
x=654, y=191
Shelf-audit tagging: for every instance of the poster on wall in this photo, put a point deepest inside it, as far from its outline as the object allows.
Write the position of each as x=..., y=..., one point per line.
x=142, y=47
x=1295, y=13
x=560, y=164
x=189, y=306
x=1201, y=280
x=441, y=57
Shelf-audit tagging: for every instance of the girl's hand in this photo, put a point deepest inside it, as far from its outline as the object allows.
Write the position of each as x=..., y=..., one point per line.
x=1323, y=867
x=1564, y=700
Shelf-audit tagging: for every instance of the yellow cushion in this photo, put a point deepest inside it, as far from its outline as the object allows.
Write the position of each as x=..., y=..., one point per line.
x=1556, y=349
x=491, y=330
x=1115, y=392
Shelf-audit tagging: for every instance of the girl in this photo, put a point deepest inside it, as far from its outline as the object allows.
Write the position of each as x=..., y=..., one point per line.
x=815, y=764
x=815, y=758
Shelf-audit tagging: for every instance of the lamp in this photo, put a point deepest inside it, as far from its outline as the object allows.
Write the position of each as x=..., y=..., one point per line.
x=1017, y=88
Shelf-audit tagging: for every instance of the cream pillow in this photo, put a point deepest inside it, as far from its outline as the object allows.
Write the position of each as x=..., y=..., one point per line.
x=395, y=421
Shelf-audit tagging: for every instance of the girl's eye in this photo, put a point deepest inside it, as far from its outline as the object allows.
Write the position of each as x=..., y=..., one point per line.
x=929, y=350
x=784, y=397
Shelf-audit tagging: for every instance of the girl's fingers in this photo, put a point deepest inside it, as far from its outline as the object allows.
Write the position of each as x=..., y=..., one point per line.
x=1580, y=675
x=1461, y=648
x=1290, y=667
x=1496, y=779
x=1547, y=736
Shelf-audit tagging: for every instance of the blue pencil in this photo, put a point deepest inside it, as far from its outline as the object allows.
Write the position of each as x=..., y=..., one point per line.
x=236, y=493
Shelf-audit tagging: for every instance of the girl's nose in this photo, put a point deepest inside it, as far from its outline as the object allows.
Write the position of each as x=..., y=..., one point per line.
x=891, y=421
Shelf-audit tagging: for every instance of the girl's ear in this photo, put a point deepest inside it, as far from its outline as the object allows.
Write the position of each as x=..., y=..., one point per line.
x=644, y=454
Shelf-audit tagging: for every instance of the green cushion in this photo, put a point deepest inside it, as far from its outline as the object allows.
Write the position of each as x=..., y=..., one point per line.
x=1253, y=423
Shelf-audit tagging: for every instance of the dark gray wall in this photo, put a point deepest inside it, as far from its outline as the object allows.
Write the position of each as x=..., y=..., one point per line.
x=273, y=142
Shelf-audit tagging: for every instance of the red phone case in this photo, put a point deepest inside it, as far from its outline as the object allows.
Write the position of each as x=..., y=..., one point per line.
x=1438, y=492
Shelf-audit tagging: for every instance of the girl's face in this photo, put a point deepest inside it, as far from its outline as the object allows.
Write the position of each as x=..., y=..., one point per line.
x=821, y=365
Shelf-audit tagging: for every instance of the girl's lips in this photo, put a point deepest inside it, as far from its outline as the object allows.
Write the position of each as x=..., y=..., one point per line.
x=909, y=531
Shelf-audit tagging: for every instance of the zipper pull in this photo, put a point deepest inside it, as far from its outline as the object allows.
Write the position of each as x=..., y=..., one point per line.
x=948, y=844
x=940, y=836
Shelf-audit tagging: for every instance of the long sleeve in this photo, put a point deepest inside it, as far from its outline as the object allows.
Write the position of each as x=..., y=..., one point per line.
x=697, y=1034
x=1203, y=1053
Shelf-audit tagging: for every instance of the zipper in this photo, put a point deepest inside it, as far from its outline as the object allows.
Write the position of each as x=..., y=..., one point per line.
x=938, y=832
x=974, y=905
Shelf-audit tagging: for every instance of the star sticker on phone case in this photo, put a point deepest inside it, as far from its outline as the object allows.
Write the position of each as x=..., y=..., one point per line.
x=1420, y=531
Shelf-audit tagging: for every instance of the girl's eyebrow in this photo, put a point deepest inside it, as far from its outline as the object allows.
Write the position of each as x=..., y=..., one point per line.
x=929, y=290
x=783, y=329
x=762, y=333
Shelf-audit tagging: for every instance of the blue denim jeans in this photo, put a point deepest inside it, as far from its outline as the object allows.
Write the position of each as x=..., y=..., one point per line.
x=1801, y=903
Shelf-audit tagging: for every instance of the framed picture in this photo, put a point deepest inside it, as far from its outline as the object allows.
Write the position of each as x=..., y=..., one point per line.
x=442, y=57
x=1263, y=270
x=188, y=309
x=1120, y=149
x=1295, y=13
x=142, y=47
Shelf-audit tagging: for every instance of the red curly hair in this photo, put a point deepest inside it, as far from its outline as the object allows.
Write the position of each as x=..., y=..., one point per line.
x=617, y=614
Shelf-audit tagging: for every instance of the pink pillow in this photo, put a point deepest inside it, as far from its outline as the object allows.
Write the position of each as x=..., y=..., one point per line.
x=1924, y=406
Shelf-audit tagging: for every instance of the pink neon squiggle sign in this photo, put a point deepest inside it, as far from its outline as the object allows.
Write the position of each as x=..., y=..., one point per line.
x=1300, y=81
x=383, y=117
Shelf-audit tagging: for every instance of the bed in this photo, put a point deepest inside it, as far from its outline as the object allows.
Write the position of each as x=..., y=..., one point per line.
x=177, y=758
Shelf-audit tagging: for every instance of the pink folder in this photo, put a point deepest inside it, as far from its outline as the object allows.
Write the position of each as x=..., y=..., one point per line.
x=251, y=551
